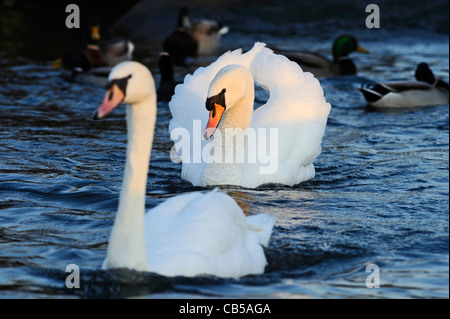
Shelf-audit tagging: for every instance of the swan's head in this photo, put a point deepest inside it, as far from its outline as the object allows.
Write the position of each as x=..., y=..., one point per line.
x=128, y=82
x=227, y=88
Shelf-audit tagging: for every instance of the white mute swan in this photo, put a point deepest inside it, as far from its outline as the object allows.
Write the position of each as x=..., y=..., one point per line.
x=276, y=143
x=190, y=234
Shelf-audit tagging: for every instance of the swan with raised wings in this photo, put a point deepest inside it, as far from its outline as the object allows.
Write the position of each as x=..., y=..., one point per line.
x=190, y=234
x=289, y=127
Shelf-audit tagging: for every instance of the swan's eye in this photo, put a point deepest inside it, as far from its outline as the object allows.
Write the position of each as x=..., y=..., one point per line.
x=216, y=99
x=121, y=84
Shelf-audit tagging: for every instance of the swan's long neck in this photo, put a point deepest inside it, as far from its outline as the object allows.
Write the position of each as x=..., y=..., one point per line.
x=237, y=119
x=231, y=142
x=240, y=115
x=127, y=247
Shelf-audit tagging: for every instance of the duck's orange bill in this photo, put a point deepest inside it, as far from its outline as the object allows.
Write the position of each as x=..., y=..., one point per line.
x=57, y=63
x=361, y=49
x=215, y=115
x=95, y=33
x=113, y=97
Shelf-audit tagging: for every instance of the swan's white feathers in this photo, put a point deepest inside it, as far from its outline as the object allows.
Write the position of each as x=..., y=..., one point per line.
x=189, y=234
x=264, y=222
x=207, y=234
x=296, y=107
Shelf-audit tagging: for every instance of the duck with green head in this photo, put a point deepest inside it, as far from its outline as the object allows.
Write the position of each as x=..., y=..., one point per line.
x=321, y=66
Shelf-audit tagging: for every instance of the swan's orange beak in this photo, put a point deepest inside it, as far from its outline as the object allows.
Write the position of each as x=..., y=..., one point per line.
x=113, y=97
x=215, y=115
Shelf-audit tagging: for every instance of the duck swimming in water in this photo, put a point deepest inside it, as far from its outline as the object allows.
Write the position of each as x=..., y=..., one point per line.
x=426, y=90
x=193, y=38
x=98, y=56
x=167, y=84
x=320, y=65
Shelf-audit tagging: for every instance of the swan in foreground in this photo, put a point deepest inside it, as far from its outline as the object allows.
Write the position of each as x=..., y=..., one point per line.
x=276, y=143
x=321, y=66
x=427, y=90
x=190, y=234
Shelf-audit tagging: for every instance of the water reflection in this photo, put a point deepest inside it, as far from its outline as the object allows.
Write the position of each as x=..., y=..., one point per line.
x=242, y=199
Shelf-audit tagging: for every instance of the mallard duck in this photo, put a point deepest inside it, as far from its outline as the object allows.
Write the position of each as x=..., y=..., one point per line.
x=320, y=65
x=427, y=90
x=193, y=38
x=96, y=53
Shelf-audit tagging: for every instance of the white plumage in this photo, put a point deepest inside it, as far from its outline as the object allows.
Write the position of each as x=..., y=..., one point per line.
x=197, y=233
x=296, y=108
x=187, y=235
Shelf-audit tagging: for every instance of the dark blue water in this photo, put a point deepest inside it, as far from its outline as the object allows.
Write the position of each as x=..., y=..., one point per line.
x=380, y=195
